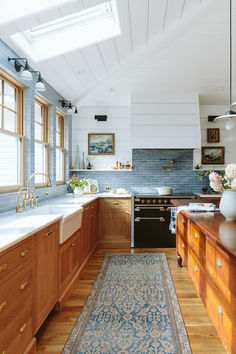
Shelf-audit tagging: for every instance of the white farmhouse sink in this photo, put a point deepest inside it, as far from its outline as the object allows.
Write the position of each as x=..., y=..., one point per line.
x=71, y=217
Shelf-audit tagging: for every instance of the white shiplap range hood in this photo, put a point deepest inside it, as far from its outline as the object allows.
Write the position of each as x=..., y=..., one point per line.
x=165, y=122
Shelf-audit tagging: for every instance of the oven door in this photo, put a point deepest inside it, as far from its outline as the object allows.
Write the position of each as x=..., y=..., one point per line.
x=151, y=227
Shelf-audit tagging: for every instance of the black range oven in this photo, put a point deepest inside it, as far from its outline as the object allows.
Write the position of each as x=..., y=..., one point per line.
x=151, y=220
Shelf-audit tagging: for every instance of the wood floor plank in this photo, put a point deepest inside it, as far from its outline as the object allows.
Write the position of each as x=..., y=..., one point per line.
x=203, y=337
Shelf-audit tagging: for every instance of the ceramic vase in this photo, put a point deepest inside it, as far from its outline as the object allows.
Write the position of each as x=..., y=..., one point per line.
x=228, y=204
x=78, y=191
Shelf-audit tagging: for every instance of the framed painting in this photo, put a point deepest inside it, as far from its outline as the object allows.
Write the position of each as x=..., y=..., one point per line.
x=213, y=155
x=213, y=135
x=101, y=144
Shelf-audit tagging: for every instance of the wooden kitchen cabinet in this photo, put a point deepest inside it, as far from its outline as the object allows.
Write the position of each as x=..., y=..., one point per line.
x=85, y=232
x=212, y=267
x=94, y=224
x=89, y=229
x=46, y=261
x=69, y=261
x=114, y=230
x=16, y=298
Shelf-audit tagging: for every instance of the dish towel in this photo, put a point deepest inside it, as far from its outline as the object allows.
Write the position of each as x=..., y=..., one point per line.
x=191, y=207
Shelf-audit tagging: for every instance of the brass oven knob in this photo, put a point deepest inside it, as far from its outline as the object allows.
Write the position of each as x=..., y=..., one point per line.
x=159, y=201
x=148, y=201
x=142, y=201
x=154, y=201
x=165, y=201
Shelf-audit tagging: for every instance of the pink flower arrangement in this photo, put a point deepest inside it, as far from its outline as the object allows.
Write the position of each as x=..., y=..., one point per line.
x=219, y=183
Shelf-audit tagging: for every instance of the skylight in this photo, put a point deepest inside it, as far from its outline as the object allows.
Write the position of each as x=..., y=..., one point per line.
x=70, y=32
x=12, y=10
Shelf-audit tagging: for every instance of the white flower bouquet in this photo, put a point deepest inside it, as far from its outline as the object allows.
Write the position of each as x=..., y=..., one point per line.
x=220, y=183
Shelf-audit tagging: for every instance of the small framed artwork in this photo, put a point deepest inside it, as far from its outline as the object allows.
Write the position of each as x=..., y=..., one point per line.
x=213, y=155
x=101, y=144
x=213, y=135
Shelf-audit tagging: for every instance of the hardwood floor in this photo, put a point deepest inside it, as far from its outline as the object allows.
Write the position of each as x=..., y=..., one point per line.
x=202, y=334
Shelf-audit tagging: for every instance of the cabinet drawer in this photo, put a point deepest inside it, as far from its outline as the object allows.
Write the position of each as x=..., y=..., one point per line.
x=114, y=203
x=182, y=247
x=14, y=292
x=197, y=274
x=225, y=273
x=18, y=334
x=210, y=259
x=198, y=238
x=15, y=258
x=182, y=226
x=49, y=231
x=222, y=315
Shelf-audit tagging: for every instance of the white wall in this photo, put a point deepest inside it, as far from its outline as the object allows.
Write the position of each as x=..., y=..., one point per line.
x=168, y=121
x=227, y=137
x=118, y=122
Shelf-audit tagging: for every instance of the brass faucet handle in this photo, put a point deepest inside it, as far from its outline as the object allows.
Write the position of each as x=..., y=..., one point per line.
x=24, y=201
x=31, y=202
x=36, y=201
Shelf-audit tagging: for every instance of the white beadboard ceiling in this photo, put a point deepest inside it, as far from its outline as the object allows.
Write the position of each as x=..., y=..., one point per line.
x=164, y=46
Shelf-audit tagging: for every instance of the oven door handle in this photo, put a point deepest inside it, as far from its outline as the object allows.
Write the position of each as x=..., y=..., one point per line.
x=138, y=219
x=147, y=208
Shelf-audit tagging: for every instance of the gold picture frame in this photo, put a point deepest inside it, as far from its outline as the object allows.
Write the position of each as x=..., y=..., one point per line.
x=213, y=155
x=101, y=144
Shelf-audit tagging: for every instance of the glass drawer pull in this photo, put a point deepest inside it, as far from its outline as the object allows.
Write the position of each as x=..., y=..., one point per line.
x=196, y=268
x=183, y=245
x=24, y=253
x=196, y=236
x=23, y=328
x=2, y=267
x=183, y=221
x=218, y=263
x=220, y=310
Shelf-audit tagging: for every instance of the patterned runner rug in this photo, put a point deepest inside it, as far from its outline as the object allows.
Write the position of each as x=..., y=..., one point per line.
x=132, y=308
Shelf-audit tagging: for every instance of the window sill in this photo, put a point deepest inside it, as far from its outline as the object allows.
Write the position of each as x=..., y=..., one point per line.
x=58, y=183
x=10, y=189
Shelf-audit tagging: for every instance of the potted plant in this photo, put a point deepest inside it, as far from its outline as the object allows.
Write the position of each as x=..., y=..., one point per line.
x=77, y=184
x=227, y=185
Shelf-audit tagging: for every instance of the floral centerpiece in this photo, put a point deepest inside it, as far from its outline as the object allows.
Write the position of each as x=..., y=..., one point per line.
x=226, y=184
x=220, y=183
x=77, y=184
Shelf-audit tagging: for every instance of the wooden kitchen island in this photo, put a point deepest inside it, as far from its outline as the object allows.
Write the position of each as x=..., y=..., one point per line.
x=206, y=245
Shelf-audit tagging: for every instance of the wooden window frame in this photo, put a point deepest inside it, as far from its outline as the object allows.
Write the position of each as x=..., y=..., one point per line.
x=20, y=126
x=62, y=120
x=45, y=140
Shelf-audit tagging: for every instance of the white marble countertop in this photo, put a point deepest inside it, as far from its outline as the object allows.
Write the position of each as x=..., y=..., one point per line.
x=15, y=227
x=210, y=195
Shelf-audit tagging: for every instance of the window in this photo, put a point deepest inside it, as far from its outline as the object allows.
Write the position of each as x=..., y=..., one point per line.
x=60, y=148
x=11, y=134
x=77, y=30
x=41, y=124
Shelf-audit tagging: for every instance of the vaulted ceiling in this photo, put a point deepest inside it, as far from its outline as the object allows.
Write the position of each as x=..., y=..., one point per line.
x=164, y=46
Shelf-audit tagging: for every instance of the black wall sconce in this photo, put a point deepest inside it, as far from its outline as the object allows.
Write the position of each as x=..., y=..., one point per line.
x=100, y=118
x=26, y=73
x=67, y=104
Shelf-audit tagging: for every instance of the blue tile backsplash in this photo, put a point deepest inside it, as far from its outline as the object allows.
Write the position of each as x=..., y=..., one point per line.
x=147, y=173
